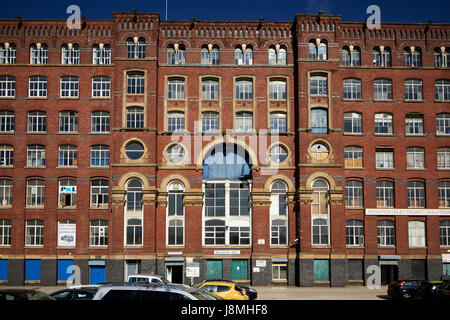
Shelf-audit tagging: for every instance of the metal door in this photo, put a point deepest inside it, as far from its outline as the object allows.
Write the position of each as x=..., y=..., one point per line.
x=321, y=270
x=239, y=269
x=213, y=269
x=97, y=274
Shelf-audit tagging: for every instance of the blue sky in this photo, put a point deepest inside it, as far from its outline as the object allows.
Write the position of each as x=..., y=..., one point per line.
x=271, y=10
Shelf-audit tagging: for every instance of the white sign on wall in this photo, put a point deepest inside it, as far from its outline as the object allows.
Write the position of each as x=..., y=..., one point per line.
x=67, y=234
x=407, y=212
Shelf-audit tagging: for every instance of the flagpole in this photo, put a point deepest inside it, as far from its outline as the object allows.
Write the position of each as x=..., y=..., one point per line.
x=166, y=9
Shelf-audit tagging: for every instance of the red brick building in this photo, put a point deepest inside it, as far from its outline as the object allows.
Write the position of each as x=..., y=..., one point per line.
x=298, y=153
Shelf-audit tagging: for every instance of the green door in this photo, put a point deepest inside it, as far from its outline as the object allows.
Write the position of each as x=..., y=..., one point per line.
x=213, y=269
x=446, y=269
x=239, y=269
x=321, y=270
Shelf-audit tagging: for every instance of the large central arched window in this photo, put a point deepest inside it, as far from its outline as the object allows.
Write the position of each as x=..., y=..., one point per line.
x=227, y=186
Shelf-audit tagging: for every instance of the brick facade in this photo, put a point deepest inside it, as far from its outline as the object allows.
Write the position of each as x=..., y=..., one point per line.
x=302, y=260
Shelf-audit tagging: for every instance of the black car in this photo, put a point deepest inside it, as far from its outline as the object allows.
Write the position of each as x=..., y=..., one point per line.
x=23, y=295
x=74, y=294
x=403, y=289
x=427, y=290
x=444, y=291
x=252, y=294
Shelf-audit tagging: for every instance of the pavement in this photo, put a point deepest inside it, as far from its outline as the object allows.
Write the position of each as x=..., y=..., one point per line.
x=294, y=293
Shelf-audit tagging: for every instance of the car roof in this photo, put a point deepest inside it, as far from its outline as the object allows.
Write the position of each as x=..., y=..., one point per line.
x=215, y=282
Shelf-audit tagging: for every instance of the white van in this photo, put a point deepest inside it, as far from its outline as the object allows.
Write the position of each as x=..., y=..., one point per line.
x=145, y=278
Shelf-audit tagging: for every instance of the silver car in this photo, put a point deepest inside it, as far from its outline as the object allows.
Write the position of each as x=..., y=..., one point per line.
x=147, y=292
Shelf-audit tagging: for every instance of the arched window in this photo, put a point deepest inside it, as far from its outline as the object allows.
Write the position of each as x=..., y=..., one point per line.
x=354, y=194
x=175, y=213
x=38, y=53
x=346, y=57
x=7, y=53
x=385, y=194
x=278, y=213
x=354, y=233
x=238, y=56
x=320, y=212
x=312, y=49
x=134, y=195
x=70, y=53
x=135, y=48
x=101, y=54
x=386, y=233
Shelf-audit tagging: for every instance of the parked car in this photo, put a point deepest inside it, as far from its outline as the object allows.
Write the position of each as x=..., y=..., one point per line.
x=427, y=290
x=144, y=292
x=444, y=291
x=403, y=289
x=251, y=293
x=146, y=278
x=228, y=290
x=23, y=295
x=86, y=293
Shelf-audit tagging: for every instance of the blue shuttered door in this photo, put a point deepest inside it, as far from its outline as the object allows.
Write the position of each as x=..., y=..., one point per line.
x=3, y=270
x=63, y=269
x=33, y=270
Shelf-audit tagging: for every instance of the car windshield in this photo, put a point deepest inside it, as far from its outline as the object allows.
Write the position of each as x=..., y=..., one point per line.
x=61, y=295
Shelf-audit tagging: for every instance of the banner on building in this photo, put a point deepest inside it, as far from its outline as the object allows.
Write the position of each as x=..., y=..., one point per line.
x=66, y=234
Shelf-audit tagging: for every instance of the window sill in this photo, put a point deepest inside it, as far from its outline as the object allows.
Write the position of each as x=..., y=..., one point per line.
x=102, y=167
x=98, y=247
x=418, y=247
x=100, y=98
x=354, y=246
x=385, y=169
x=442, y=169
x=99, y=208
x=36, y=98
x=442, y=135
x=34, y=207
x=441, y=101
x=66, y=208
x=67, y=133
x=6, y=207
x=138, y=246
x=353, y=134
x=68, y=98
x=354, y=168
x=352, y=100
x=413, y=101
x=354, y=208
x=7, y=132
x=38, y=246
x=67, y=167
x=384, y=100
x=386, y=247
x=414, y=135
x=34, y=167
x=36, y=132
x=321, y=246
x=415, y=169
x=383, y=134
x=100, y=133
x=279, y=246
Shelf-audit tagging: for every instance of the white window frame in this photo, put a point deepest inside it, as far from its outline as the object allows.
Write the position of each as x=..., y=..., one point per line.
x=100, y=121
x=176, y=219
x=7, y=86
x=99, y=193
x=36, y=155
x=34, y=232
x=35, y=193
x=443, y=158
x=101, y=87
x=37, y=119
x=231, y=223
x=98, y=233
x=415, y=158
x=6, y=121
x=416, y=234
x=69, y=87
x=37, y=87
